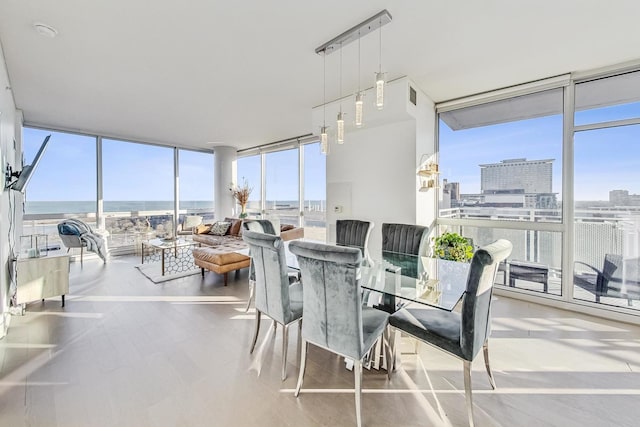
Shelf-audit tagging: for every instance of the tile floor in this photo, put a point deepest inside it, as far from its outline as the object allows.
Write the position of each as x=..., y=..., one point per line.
x=128, y=352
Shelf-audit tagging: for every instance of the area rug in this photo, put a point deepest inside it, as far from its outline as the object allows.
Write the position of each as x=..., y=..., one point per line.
x=154, y=273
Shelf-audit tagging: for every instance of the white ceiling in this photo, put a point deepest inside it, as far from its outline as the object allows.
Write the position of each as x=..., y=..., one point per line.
x=245, y=73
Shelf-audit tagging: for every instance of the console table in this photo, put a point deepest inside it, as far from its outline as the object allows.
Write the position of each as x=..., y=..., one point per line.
x=40, y=278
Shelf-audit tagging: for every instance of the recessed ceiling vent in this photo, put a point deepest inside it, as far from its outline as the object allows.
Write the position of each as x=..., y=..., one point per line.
x=412, y=95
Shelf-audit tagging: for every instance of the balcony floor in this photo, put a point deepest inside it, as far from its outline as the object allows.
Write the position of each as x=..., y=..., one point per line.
x=125, y=351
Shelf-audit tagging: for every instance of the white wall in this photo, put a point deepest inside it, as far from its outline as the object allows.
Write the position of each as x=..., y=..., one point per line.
x=372, y=176
x=8, y=130
x=377, y=165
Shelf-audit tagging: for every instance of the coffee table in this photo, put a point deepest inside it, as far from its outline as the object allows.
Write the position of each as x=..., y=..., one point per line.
x=173, y=255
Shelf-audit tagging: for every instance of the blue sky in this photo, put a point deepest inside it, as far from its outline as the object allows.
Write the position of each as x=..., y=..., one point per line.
x=604, y=159
x=142, y=172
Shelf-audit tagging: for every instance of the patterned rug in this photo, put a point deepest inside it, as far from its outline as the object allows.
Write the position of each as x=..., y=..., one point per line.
x=154, y=272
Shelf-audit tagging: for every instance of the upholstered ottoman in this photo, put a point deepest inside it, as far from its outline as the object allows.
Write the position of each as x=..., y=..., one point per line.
x=219, y=259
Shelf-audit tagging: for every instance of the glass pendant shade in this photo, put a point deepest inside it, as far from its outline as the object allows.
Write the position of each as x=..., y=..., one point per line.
x=324, y=140
x=359, y=110
x=379, y=90
x=340, y=128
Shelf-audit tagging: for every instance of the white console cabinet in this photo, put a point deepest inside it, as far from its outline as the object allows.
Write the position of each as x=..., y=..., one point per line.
x=40, y=278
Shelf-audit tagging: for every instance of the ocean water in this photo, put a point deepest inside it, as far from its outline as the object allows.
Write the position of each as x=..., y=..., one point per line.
x=78, y=207
x=83, y=207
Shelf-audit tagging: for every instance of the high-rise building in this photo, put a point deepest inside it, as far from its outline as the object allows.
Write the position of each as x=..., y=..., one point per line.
x=623, y=198
x=518, y=183
x=516, y=176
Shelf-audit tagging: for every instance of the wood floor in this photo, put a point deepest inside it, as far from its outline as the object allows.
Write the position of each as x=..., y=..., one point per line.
x=128, y=352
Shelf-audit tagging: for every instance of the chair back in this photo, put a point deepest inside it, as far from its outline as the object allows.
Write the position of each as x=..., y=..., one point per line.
x=475, y=317
x=354, y=233
x=259, y=225
x=611, y=272
x=70, y=231
x=404, y=238
x=271, y=280
x=331, y=299
x=402, y=244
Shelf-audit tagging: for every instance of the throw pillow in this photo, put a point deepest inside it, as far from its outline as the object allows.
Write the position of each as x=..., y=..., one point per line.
x=203, y=228
x=236, y=224
x=220, y=228
x=286, y=227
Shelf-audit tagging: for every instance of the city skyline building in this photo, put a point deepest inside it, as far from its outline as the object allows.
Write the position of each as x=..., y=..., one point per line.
x=510, y=183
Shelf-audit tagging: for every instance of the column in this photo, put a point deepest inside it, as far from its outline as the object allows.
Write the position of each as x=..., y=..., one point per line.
x=224, y=160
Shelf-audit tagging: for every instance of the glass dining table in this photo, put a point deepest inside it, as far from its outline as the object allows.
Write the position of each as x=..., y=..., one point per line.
x=399, y=279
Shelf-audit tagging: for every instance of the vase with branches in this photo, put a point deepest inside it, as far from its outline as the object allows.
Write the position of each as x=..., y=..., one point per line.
x=241, y=193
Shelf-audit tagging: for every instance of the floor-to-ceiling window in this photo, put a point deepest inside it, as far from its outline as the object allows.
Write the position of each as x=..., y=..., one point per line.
x=196, y=184
x=294, y=177
x=315, y=192
x=138, y=189
x=64, y=182
x=281, y=186
x=501, y=170
x=503, y=175
x=249, y=170
x=607, y=191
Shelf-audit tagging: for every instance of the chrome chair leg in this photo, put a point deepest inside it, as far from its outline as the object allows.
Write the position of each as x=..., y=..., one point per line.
x=467, y=390
x=388, y=350
x=299, y=337
x=485, y=350
x=391, y=365
x=252, y=287
x=357, y=375
x=285, y=345
x=303, y=364
x=257, y=329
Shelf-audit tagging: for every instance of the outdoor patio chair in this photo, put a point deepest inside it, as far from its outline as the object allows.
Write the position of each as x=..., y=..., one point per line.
x=618, y=278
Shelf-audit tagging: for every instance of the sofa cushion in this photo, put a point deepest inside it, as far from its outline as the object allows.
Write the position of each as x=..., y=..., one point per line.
x=220, y=228
x=190, y=222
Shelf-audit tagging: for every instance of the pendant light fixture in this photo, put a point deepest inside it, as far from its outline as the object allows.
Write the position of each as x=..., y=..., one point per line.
x=380, y=76
x=359, y=93
x=324, y=138
x=356, y=33
x=340, y=121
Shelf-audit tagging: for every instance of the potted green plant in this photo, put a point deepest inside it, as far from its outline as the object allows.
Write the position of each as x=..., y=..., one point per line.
x=452, y=247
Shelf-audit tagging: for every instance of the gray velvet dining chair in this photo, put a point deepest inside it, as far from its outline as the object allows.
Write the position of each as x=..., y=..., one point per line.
x=402, y=244
x=460, y=334
x=259, y=226
x=354, y=233
x=334, y=318
x=274, y=295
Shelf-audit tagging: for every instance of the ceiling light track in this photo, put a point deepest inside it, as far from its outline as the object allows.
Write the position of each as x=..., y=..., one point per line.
x=355, y=33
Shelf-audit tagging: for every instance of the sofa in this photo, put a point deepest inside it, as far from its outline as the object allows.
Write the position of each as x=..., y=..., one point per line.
x=224, y=253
